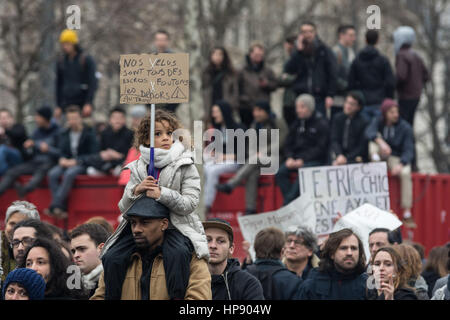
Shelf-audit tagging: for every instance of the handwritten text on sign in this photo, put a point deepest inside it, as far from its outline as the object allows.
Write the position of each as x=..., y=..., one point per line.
x=334, y=189
x=154, y=78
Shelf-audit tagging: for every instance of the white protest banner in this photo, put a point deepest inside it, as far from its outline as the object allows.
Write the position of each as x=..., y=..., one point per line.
x=298, y=212
x=366, y=218
x=341, y=189
x=154, y=78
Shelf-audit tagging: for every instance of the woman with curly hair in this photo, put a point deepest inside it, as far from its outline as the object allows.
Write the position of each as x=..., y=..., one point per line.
x=47, y=259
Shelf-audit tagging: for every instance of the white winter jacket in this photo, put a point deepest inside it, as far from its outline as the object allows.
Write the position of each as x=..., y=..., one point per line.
x=180, y=192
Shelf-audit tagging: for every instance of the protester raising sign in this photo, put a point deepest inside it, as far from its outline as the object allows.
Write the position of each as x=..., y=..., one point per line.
x=154, y=78
x=335, y=190
x=366, y=218
x=298, y=212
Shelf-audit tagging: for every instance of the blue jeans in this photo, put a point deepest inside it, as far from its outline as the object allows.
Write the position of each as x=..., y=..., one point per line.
x=9, y=157
x=290, y=191
x=370, y=112
x=60, y=191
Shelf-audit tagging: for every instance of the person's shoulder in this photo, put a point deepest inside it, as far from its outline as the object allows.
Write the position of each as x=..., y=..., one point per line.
x=405, y=294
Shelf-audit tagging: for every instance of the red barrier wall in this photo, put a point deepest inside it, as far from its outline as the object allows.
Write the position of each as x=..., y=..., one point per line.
x=99, y=196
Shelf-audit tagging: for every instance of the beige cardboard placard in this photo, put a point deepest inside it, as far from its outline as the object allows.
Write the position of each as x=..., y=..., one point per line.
x=154, y=78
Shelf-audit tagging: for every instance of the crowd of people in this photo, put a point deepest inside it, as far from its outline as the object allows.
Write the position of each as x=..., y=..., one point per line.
x=338, y=109
x=149, y=258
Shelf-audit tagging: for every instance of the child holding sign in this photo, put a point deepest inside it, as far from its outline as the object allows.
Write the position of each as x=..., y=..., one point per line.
x=176, y=185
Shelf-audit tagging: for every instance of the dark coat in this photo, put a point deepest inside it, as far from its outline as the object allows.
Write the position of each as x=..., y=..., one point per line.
x=87, y=146
x=235, y=284
x=285, y=283
x=430, y=277
x=316, y=75
x=399, y=294
x=229, y=85
x=399, y=137
x=250, y=90
x=50, y=136
x=308, y=139
x=120, y=141
x=356, y=144
x=76, y=81
x=371, y=73
x=15, y=137
x=411, y=74
x=333, y=285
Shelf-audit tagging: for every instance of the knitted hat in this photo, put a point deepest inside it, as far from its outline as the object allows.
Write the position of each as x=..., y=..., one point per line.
x=308, y=101
x=29, y=279
x=45, y=112
x=387, y=105
x=264, y=105
x=68, y=35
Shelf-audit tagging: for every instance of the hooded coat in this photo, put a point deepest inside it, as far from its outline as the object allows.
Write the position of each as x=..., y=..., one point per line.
x=235, y=284
x=399, y=137
x=371, y=73
x=410, y=68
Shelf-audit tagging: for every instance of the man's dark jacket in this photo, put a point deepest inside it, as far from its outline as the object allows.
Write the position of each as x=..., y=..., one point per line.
x=308, y=139
x=285, y=283
x=333, y=285
x=316, y=74
x=351, y=145
x=399, y=137
x=76, y=81
x=235, y=284
x=372, y=74
x=87, y=145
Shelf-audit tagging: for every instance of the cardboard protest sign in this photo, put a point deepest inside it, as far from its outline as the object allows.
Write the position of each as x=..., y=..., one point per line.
x=341, y=189
x=366, y=218
x=154, y=78
x=298, y=212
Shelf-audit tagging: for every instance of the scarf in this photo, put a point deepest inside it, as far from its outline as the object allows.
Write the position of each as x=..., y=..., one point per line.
x=163, y=157
x=90, y=280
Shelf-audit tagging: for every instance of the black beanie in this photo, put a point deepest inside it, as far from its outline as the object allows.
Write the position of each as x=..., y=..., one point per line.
x=264, y=105
x=45, y=112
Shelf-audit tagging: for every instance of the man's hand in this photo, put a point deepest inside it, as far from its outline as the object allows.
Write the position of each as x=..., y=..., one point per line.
x=385, y=149
x=71, y=163
x=28, y=143
x=299, y=163
x=87, y=110
x=62, y=162
x=397, y=169
x=340, y=160
x=329, y=102
x=246, y=248
x=43, y=147
x=290, y=163
x=145, y=185
x=300, y=43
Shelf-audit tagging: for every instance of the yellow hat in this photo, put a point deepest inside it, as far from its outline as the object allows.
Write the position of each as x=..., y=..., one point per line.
x=68, y=35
